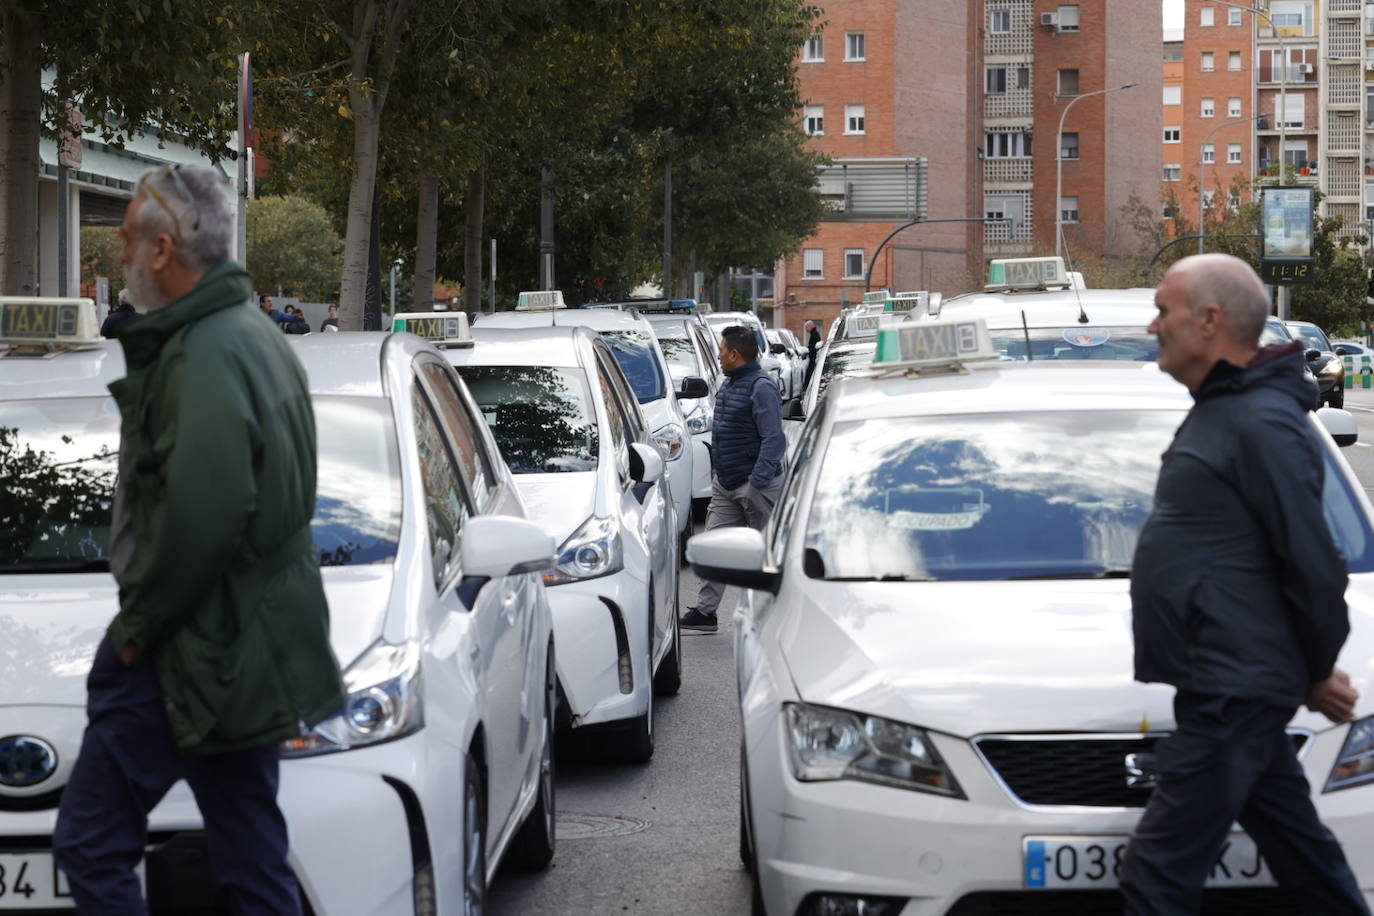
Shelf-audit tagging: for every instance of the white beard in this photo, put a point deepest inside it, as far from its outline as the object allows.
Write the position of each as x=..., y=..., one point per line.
x=144, y=292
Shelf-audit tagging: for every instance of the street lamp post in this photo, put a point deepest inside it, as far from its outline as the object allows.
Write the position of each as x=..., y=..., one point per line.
x=1283, y=77
x=1202, y=171
x=1059, y=167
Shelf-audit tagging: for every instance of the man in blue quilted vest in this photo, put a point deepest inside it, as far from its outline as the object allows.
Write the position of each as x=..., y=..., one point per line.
x=747, y=448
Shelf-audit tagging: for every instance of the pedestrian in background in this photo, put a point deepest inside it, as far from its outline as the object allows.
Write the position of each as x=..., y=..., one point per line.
x=120, y=315
x=220, y=649
x=747, y=447
x=813, y=347
x=332, y=322
x=1238, y=597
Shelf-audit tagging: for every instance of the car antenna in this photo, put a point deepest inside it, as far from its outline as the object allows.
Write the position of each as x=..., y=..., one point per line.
x=1077, y=293
x=1026, y=328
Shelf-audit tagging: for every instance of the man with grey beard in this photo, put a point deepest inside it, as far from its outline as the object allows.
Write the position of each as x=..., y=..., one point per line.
x=220, y=649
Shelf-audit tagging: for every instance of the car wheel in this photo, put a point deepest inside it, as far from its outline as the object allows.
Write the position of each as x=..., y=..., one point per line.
x=474, y=840
x=1337, y=399
x=532, y=848
x=668, y=678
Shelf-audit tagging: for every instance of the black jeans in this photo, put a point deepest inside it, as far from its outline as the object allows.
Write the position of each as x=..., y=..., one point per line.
x=127, y=763
x=1230, y=760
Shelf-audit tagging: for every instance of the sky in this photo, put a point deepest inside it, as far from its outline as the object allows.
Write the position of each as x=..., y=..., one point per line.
x=1173, y=14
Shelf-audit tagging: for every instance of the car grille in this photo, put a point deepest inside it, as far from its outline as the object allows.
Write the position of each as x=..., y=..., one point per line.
x=1073, y=769
x=1249, y=901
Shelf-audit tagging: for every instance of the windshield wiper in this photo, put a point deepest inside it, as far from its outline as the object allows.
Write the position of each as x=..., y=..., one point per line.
x=56, y=565
x=1114, y=572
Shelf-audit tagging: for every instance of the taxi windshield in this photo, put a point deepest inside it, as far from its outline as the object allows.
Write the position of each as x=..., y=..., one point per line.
x=542, y=418
x=1078, y=342
x=680, y=354
x=58, y=468
x=986, y=496
x=634, y=351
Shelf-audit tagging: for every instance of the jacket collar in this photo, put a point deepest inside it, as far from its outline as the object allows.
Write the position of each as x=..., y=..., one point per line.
x=224, y=285
x=740, y=372
x=1277, y=365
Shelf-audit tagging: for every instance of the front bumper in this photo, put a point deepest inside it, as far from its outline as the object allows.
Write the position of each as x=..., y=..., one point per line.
x=850, y=837
x=594, y=624
x=701, y=465
x=681, y=483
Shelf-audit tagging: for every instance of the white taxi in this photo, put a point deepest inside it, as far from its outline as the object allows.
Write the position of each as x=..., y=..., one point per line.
x=440, y=762
x=935, y=654
x=570, y=429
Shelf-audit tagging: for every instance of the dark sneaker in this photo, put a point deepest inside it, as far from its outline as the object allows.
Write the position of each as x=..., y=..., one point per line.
x=696, y=620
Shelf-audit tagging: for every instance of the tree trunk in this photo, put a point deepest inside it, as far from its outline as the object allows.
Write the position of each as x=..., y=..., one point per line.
x=358, y=234
x=21, y=97
x=372, y=301
x=426, y=232
x=472, y=242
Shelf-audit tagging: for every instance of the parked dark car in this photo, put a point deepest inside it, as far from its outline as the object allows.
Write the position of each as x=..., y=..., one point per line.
x=1275, y=331
x=1328, y=368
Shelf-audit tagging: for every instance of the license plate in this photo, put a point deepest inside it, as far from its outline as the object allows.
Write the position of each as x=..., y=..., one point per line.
x=30, y=880
x=1096, y=861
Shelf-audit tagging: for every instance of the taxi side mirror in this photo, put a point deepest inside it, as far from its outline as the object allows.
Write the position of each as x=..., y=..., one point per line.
x=694, y=387
x=777, y=348
x=735, y=556
x=500, y=545
x=1340, y=424
x=646, y=464
x=1312, y=354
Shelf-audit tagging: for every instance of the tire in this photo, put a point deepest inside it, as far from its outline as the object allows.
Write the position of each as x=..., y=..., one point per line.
x=668, y=678
x=1337, y=399
x=532, y=848
x=474, y=839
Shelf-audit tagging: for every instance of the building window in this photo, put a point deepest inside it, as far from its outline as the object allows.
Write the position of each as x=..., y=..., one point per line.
x=1068, y=82
x=1207, y=15
x=1023, y=77
x=1172, y=171
x=814, y=49
x=1173, y=95
x=1233, y=60
x=1173, y=50
x=1233, y=153
x=996, y=82
x=1068, y=209
x=1233, y=107
x=1292, y=109
x=1209, y=108
x=853, y=263
x=813, y=263
x=1233, y=17
x=1208, y=62
x=1173, y=135
x=1209, y=152
x=999, y=22
x=1068, y=146
x=1008, y=145
x=815, y=120
x=853, y=119
x=854, y=46
x=1068, y=18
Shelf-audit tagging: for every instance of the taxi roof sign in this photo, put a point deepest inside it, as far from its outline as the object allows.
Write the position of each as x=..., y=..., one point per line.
x=1026, y=273
x=877, y=295
x=443, y=329
x=49, y=323
x=937, y=345
x=907, y=302
x=864, y=325
x=541, y=300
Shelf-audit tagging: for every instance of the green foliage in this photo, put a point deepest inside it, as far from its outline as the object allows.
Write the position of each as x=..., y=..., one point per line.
x=100, y=247
x=292, y=244
x=50, y=508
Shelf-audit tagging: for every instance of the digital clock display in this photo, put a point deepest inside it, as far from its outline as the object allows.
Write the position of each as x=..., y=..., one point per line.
x=1294, y=271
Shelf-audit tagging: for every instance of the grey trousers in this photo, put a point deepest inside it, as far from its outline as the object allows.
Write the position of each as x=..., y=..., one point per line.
x=744, y=505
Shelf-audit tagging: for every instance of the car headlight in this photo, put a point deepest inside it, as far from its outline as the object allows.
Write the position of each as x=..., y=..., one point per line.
x=825, y=744
x=383, y=703
x=592, y=550
x=699, y=420
x=1333, y=367
x=670, y=440
x=1355, y=764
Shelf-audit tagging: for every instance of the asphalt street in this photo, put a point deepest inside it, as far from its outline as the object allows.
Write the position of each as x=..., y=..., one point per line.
x=660, y=838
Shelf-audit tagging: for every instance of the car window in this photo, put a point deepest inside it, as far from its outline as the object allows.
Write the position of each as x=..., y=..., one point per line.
x=446, y=503
x=986, y=496
x=780, y=524
x=1346, y=518
x=1274, y=332
x=679, y=352
x=619, y=425
x=626, y=401
x=1311, y=337
x=839, y=363
x=58, y=466
x=708, y=357
x=470, y=446
x=542, y=418
x=1076, y=343
x=634, y=351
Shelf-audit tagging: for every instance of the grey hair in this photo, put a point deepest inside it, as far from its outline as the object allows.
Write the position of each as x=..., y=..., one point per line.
x=188, y=203
x=1235, y=288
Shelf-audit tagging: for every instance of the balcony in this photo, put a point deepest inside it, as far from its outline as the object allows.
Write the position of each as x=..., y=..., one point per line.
x=1007, y=171
x=1292, y=75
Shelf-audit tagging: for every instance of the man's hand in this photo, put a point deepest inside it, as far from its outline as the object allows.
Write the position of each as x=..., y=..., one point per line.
x=1334, y=697
x=128, y=653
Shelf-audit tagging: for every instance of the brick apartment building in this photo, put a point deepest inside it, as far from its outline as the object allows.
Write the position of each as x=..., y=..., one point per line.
x=981, y=102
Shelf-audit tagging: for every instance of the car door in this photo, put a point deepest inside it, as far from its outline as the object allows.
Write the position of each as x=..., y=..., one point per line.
x=501, y=611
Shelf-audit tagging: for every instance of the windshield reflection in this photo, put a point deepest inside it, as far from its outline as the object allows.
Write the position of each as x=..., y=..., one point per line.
x=986, y=496
x=634, y=351
x=542, y=418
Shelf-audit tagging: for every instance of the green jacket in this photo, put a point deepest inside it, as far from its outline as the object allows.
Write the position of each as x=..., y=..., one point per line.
x=217, y=477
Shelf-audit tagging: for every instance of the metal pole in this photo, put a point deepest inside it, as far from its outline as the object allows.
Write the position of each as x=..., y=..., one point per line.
x=63, y=225
x=492, y=288
x=668, y=230
x=242, y=241
x=868, y=274
x=1202, y=171
x=546, y=241
x=1059, y=167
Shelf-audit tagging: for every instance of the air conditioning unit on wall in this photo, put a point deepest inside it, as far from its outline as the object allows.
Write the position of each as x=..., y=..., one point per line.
x=1049, y=20
x=1307, y=68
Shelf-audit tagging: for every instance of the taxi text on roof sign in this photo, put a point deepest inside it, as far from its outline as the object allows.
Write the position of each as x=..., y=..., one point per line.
x=877, y=295
x=48, y=321
x=540, y=300
x=907, y=302
x=941, y=344
x=444, y=329
x=1026, y=273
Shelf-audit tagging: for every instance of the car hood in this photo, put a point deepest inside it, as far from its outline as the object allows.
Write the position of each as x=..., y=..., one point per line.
x=970, y=658
x=558, y=503
x=50, y=627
